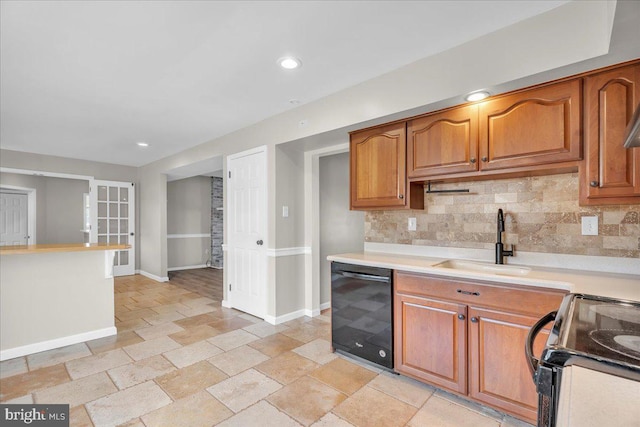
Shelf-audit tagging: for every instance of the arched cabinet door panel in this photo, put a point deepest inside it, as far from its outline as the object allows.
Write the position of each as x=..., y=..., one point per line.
x=443, y=143
x=378, y=169
x=533, y=127
x=611, y=173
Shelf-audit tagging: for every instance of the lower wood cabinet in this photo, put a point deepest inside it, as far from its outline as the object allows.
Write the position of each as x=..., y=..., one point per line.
x=498, y=372
x=441, y=357
x=468, y=337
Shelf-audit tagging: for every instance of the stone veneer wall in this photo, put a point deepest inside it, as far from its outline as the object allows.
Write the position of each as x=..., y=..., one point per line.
x=216, y=222
x=541, y=215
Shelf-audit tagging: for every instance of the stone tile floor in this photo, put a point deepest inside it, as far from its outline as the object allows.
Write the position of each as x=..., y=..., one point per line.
x=181, y=359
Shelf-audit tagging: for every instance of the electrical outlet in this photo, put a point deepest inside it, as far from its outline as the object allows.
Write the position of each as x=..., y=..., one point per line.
x=412, y=224
x=589, y=225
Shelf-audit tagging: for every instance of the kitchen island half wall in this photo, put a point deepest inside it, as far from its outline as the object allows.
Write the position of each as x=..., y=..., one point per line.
x=55, y=295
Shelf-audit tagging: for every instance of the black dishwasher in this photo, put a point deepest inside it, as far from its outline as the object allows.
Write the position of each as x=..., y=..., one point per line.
x=361, y=312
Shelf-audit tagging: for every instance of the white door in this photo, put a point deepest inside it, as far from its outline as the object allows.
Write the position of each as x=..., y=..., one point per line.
x=113, y=221
x=247, y=230
x=13, y=219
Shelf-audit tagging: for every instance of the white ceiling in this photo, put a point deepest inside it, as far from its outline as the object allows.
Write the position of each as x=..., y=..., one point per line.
x=89, y=79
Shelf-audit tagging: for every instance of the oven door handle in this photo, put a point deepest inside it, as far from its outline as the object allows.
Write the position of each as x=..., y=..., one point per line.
x=531, y=337
x=361, y=276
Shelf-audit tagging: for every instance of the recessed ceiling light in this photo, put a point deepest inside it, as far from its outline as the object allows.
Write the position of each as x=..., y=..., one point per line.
x=289, y=62
x=142, y=144
x=477, y=96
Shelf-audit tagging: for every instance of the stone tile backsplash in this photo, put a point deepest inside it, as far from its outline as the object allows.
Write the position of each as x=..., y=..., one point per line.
x=542, y=214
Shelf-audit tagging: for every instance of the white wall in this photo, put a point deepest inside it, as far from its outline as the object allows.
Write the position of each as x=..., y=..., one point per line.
x=103, y=171
x=289, y=231
x=341, y=230
x=59, y=206
x=54, y=299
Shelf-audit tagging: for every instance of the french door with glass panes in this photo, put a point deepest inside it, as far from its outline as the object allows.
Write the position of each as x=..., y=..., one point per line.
x=113, y=221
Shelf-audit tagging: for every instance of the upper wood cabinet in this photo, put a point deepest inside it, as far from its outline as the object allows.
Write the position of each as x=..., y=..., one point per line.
x=378, y=169
x=443, y=143
x=531, y=131
x=610, y=173
x=533, y=127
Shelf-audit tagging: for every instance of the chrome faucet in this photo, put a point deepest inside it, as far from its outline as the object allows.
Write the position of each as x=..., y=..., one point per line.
x=500, y=252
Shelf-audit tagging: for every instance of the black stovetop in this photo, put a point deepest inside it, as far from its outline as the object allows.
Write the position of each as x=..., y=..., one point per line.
x=598, y=329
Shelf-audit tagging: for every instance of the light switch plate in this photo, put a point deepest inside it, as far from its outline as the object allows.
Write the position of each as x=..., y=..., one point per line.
x=589, y=225
x=412, y=224
x=285, y=211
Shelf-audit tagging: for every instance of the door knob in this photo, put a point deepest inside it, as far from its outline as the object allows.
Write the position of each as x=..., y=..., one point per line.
x=259, y=242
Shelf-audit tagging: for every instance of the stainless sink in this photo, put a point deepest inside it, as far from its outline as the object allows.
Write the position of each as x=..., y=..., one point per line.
x=484, y=267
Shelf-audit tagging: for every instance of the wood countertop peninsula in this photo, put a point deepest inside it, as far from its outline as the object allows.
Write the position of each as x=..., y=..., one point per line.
x=64, y=247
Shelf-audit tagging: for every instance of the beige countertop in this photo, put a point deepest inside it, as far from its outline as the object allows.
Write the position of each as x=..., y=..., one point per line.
x=65, y=247
x=623, y=286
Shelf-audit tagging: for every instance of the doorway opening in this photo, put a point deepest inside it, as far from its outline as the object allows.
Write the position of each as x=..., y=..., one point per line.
x=195, y=227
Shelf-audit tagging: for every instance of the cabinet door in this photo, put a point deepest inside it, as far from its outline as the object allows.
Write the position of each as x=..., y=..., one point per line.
x=378, y=167
x=610, y=173
x=443, y=143
x=534, y=127
x=431, y=341
x=499, y=375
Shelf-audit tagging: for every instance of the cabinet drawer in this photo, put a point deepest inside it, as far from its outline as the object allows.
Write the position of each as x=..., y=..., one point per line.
x=534, y=301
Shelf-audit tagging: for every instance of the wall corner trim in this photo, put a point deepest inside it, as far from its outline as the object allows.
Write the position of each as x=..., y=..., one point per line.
x=187, y=267
x=301, y=250
x=153, y=276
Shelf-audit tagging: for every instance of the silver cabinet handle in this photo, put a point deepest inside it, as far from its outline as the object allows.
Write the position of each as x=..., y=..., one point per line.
x=365, y=277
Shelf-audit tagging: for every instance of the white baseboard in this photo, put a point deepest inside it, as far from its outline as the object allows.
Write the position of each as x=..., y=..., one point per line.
x=187, y=267
x=56, y=343
x=285, y=317
x=311, y=313
x=317, y=311
x=276, y=320
x=153, y=276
